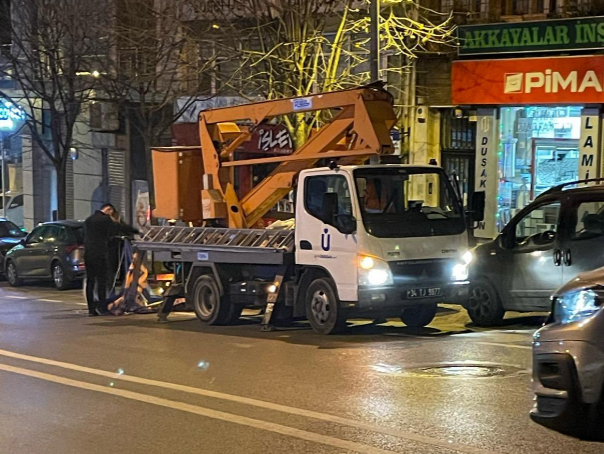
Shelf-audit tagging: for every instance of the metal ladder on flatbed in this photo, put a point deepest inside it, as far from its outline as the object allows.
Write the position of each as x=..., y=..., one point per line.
x=217, y=238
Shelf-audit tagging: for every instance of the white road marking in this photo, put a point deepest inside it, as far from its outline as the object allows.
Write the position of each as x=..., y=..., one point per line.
x=202, y=411
x=50, y=301
x=254, y=402
x=522, y=347
x=14, y=297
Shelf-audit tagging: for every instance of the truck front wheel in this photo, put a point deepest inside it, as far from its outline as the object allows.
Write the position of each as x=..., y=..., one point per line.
x=323, y=309
x=209, y=306
x=419, y=316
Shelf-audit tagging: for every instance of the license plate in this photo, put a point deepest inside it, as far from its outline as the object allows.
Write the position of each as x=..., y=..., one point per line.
x=430, y=292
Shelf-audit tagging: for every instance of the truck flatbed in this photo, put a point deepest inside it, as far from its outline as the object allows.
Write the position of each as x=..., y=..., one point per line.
x=213, y=244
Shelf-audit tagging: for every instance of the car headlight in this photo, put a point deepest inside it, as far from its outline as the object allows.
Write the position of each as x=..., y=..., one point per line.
x=374, y=272
x=575, y=306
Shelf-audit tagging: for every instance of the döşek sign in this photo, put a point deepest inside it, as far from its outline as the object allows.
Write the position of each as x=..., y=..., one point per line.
x=541, y=36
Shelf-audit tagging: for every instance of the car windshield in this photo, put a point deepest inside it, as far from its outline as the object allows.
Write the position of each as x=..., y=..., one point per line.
x=408, y=202
x=10, y=230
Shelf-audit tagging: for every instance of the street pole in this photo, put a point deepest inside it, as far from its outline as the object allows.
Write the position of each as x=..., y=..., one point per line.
x=3, y=175
x=374, y=39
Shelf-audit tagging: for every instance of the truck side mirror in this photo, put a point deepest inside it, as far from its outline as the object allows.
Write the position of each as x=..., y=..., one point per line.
x=346, y=224
x=330, y=207
x=477, y=206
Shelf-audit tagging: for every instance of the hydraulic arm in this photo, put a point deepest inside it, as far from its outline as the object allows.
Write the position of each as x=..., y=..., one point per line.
x=358, y=126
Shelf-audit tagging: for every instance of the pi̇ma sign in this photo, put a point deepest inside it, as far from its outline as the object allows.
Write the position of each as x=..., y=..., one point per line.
x=554, y=80
x=589, y=144
x=487, y=146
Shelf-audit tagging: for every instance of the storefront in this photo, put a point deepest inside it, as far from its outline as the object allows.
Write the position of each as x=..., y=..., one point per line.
x=538, y=120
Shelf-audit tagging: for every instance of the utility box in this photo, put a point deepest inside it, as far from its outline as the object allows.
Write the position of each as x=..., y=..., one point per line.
x=177, y=176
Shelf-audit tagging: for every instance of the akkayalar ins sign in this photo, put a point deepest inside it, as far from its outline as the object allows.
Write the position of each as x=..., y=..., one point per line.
x=541, y=36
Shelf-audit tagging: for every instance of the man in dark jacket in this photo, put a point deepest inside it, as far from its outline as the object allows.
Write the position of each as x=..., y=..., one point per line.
x=98, y=229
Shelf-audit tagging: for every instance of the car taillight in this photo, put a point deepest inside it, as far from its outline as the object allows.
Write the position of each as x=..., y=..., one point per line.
x=76, y=252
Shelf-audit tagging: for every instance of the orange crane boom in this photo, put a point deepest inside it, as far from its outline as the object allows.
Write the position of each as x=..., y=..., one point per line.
x=359, y=127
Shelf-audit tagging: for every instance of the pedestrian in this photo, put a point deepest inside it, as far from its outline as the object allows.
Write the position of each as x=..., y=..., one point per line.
x=98, y=229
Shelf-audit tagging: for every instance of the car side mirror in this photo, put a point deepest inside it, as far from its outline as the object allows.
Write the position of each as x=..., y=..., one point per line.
x=477, y=205
x=23, y=241
x=506, y=240
x=545, y=238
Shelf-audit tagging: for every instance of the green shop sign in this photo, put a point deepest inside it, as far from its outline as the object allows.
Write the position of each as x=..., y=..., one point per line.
x=541, y=36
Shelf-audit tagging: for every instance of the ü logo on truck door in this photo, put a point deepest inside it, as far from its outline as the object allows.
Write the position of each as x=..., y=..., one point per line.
x=325, y=240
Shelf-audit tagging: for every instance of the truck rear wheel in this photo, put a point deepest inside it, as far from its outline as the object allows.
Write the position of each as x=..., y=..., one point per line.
x=419, y=316
x=209, y=306
x=323, y=309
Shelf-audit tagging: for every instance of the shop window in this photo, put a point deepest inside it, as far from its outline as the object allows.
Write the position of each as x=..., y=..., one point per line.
x=522, y=7
x=465, y=6
x=539, y=149
x=457, y=133
x=458, y=145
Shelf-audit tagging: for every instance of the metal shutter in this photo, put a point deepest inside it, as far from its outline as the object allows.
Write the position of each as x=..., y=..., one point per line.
x=117, y=179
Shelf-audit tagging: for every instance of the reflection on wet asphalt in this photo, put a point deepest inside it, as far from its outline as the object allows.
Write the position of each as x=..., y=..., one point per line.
x=74, y=384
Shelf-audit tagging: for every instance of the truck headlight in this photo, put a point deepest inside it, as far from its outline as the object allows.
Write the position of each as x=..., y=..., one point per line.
x=575, y=306
x=461, y=270
x=467, y=257
x=374, y=272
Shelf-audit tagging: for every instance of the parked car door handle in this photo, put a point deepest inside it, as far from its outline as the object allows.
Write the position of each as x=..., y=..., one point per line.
x=567, y=258
x=557, y=257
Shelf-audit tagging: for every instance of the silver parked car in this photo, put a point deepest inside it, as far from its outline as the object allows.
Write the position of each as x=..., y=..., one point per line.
x=552, y=240
x=568, y=360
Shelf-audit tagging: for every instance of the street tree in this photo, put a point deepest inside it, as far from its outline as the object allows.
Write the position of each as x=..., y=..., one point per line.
x=153, y=73
x=50, y=59
x=299, y=47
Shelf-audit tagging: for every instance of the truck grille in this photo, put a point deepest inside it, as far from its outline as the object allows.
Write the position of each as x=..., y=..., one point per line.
x=436, y=269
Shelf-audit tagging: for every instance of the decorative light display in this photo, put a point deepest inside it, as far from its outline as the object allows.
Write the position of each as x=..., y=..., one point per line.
x=10, y=113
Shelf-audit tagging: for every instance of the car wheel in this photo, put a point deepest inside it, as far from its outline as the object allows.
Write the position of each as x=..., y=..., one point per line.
x=12, y=276
x=484, y=304
x=59, y=278
x=209, y=306
x=419, y=316
x=323, y=309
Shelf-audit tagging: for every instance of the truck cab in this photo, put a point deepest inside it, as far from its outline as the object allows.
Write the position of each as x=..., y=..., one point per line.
x=387, y=240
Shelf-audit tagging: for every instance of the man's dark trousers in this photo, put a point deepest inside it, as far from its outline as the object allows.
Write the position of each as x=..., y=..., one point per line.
x=96, y=273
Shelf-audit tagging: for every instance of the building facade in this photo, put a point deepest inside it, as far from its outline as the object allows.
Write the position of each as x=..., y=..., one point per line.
x=520, y=110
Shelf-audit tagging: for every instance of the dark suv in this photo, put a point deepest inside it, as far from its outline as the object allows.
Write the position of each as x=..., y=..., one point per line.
x=551, y=241
x=10, y=236
x=54, y=250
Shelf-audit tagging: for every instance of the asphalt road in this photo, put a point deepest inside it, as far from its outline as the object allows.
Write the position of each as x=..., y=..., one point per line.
x=74, y=384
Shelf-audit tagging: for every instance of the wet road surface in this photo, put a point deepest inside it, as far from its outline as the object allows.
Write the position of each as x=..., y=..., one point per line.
x=74, y=384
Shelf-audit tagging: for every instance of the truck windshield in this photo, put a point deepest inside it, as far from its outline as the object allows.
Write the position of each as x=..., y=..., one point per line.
x=408, y=202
